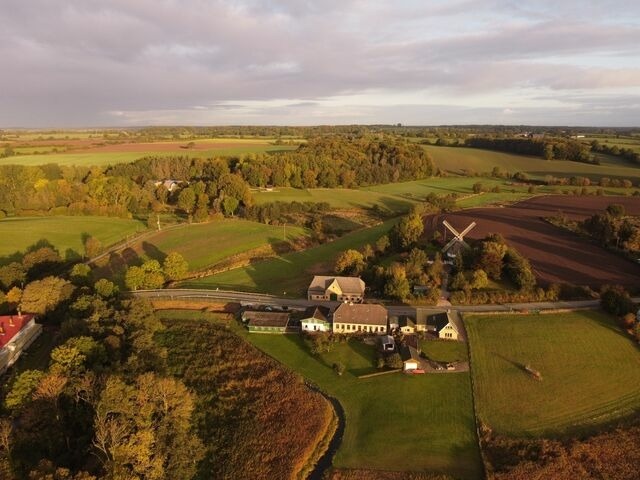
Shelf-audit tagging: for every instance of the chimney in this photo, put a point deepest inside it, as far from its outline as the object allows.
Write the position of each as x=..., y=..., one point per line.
x=19, y=312
x=2, y=332
x=11, y=324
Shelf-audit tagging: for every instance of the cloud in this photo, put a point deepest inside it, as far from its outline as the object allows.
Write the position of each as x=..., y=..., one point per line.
x=77, y=63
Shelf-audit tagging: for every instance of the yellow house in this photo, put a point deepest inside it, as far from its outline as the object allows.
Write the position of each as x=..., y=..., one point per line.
x=341, y=289
x=442, y=325
x=360, y=318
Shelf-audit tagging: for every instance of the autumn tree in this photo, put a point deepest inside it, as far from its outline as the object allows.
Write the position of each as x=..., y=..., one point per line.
x=407, y=231
x=187, y=200
x=105, y=288
x=382, y=244
x=397, y=285
x=143, y=430
x=12, y=275
x=349, y=262
x=175, y=267
x=92, y=247
x=43, y=296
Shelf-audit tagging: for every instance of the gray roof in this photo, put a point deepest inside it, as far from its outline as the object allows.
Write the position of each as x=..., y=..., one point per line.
x=318, y=313
x=409, y=353
x=361, y=313
x=266, y=319
x=348, y=285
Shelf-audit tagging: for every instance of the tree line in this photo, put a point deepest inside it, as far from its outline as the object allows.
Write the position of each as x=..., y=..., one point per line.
x=207, y=186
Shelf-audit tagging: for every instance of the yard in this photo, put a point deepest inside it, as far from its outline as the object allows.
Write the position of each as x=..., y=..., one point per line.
x=395, y=421
x=589, y=371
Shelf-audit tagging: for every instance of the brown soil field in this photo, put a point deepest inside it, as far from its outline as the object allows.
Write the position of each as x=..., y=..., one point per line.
x=556, y=255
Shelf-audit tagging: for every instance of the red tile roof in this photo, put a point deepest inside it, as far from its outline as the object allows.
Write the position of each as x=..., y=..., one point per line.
x=10, y=326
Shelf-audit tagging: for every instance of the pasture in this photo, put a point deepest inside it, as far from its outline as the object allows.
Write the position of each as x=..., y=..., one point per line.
x=64, y=233
x=395, y=421
x=290, y=274
x=457, y=159
x=205, y=244
x=590, y=372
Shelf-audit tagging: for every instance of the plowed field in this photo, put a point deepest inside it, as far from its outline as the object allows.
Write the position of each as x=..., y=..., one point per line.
x=556, y=255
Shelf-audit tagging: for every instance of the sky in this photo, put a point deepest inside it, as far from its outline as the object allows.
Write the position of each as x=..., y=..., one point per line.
x=86, y=63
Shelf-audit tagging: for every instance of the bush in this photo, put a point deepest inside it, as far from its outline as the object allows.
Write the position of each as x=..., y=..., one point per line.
x=615, y=300
x=393, y=361
x=339, y=368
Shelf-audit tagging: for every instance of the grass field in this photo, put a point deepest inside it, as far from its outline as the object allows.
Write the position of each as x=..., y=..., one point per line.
x=444, y=350
x=291, y=273
x=109, y=158
x=456, y=159
x=206, y=244
x=394, y=421
x=64, y=233
x=590, y=372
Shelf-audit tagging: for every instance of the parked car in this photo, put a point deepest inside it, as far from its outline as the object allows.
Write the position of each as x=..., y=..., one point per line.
x=451, y=366
x=417, y=371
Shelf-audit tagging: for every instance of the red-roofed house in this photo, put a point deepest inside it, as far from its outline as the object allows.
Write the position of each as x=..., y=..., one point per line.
x=17, y=333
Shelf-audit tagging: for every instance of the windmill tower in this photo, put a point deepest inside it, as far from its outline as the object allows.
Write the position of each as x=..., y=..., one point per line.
x=452, y=248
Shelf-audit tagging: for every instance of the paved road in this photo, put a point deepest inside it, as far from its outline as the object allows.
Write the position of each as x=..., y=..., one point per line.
x=264, y=299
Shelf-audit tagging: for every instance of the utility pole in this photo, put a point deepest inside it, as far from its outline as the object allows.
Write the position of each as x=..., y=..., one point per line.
x=284, y=231
x=158, y=221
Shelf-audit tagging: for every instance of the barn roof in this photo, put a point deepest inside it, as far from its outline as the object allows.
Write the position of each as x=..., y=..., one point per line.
x=361, y=313
x=10, y=326
x=266, y=319
x=348, y=285
x=318, y=313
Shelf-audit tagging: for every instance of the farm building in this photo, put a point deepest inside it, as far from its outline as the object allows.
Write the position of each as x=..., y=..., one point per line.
x=360, y=318
x=342, y=289
x=17, y=333
x=266, y=322
x=316, y=319
x=410, y=358
x=406, y=324
x=442, y=325
x=170, y=185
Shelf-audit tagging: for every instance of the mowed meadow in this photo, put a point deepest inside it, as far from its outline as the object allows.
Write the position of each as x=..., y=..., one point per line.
x=290, y=274
x=590, y=372
x=64, y=233
x=206, y=244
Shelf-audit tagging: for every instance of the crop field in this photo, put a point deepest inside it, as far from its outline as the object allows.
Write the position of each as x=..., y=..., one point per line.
x=397, y=197
x=395, y=421
x=64, y=233
x=206, y=244
x=632, y=142
x=556, y=255
x=290, y=274
x=93, y=152
x=589, y=371
x=455, y=159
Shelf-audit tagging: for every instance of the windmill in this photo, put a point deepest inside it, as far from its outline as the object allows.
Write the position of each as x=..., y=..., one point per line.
x=458, y=238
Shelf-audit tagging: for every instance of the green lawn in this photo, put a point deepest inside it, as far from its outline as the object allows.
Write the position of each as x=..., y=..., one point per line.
x=456, y=159
x=18, y=233
x=291, y=273
x=590, y=372
x=394, y=421
x=206, y=244
x=444, y=350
